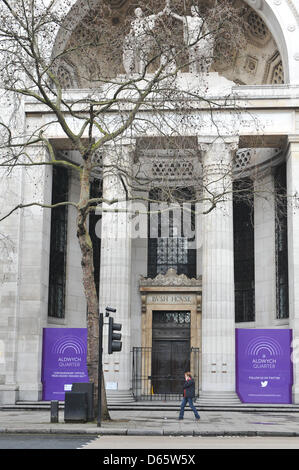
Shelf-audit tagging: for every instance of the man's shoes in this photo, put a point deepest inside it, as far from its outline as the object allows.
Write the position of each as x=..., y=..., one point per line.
x=180, y=419
x=197, y=419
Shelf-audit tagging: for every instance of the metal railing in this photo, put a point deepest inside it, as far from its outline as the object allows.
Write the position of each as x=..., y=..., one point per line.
x=147, y=385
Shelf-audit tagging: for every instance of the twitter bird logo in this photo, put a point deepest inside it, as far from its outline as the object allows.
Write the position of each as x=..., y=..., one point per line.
x=264, y=384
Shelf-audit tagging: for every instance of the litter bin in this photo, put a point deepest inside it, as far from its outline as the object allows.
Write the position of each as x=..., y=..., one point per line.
x=75, y=407
x=88, y=388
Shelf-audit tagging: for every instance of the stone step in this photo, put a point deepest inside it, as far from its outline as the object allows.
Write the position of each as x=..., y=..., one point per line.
x=218, y=399
x=218, y=402
x=115, y=397
x=156, y=405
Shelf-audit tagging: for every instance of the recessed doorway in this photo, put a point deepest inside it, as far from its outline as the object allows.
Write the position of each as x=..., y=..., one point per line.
x=170, y=350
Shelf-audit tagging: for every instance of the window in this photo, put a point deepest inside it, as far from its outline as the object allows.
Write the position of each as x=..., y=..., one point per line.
x=58, y=244
x=173, y=244
x=281, y=243
x=95, y=192
x=243, y=250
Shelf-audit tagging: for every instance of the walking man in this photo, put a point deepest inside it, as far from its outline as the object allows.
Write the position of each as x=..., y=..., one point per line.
x=189, y=394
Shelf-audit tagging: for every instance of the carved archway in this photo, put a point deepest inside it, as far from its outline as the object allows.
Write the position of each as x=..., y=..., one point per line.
x=274, y=21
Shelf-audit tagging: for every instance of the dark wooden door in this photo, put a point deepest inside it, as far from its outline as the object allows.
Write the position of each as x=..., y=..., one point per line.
x=161, y=360
x=180, y=363
x=170, y=351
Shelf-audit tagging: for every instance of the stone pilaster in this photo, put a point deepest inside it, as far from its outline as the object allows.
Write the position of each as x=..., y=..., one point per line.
x=218, y=306
x=11, y=253
x=115, y=274
x=292, y=160
x=264, y=250
x=33, y=277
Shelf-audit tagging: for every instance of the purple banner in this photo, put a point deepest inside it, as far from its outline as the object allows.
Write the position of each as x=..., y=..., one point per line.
x=264, y=370
x=64, y=360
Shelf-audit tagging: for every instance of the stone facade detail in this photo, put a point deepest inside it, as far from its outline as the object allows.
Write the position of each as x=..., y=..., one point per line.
x=274, y=73
x=66, y=75
x=170, y=279
x=218, y=309
x=243, y=159
x=277, y=74
x=257, y=29
x=267, y=118
x=261, y=46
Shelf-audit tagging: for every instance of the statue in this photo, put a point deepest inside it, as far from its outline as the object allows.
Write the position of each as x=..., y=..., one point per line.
x=139, y=41
x=128, y=55
x=167, y=61
x=198, y=40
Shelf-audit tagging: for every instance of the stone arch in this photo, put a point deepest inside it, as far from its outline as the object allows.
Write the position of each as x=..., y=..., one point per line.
x=75, y=14
x=275, y=26
x=279, y=17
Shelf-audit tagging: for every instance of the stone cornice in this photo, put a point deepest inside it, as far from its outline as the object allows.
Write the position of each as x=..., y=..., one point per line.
x=170, y=279
x=79, y=98
x=292, y=143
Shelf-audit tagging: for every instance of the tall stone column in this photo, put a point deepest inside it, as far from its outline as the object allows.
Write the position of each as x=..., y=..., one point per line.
x=115, y=273
x=264, y=250
x=218, y=306
x=11, y=194
x=292, y=161
x=33, y=276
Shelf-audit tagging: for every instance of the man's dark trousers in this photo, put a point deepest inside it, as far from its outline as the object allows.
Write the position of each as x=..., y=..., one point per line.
x=183, y=404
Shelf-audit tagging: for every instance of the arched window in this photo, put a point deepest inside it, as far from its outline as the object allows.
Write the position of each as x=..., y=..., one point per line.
x=96, y=191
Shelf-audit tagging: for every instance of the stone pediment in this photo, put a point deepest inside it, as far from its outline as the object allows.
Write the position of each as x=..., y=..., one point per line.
x=170, y=279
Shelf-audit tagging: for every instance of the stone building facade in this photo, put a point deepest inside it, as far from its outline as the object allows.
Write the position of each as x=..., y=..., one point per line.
x=241, y=272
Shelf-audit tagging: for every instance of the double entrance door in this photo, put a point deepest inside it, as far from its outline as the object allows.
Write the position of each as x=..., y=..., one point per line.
x=170, y=350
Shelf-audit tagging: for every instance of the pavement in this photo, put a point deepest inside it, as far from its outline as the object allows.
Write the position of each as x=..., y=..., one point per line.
x=153, y=422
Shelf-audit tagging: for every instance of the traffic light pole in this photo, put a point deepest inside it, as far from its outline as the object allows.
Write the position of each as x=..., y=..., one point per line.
x=100, y=370
x=114, y=344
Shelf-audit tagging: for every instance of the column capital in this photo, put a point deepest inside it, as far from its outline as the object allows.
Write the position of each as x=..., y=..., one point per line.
x=116, y=145
x=206, y=143
x=292, y=145
x=117, y=168
x=293, y=139
x=217, y=154
x=212, y=139
x=204, y=146
x=114, y=150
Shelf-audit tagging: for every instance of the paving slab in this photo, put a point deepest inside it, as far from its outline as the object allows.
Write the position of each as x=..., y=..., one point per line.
x=157, y=423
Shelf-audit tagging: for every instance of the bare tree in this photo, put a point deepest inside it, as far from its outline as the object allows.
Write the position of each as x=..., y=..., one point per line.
x=129, y=84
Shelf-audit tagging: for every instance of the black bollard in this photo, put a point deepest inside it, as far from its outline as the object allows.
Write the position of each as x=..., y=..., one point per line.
x=54, y=411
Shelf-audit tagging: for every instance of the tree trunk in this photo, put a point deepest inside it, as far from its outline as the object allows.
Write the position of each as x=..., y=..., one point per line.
x=90, y=293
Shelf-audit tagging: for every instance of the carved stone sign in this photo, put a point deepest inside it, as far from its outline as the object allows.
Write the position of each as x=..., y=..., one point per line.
x=170, y=289
x=173, y=299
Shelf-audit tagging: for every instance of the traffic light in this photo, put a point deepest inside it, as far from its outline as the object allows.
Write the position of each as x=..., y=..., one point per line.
x=114, y=343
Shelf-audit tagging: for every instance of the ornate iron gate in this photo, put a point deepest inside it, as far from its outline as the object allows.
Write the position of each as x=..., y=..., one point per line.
x=158, y=373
